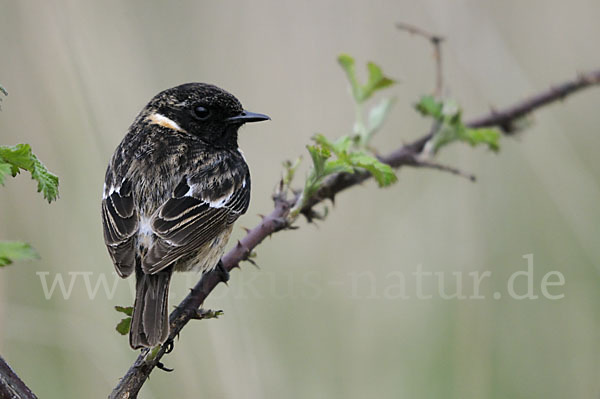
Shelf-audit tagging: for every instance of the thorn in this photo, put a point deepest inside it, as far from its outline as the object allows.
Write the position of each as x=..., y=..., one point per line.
x=260, y=215
x=247, y=230
x=253, y=263
x=245, y=248
x=280, y=223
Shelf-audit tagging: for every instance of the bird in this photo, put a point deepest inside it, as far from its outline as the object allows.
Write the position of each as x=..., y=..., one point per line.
x=173, y=189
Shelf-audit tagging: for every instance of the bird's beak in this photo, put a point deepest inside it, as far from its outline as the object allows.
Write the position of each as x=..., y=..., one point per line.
x=247, y=116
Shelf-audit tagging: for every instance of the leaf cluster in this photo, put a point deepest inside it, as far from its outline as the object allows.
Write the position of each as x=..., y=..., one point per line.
x=125, y=323
x=12, y=251
x=451, y=128
x=349, y=153
x=376, y=80
x=330, y=157
x=20, y=157
x=12, y=161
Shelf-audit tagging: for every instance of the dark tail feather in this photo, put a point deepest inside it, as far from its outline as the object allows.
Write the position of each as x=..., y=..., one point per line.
x=150, y=321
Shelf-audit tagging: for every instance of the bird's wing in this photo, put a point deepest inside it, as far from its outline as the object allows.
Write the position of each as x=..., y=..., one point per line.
x=120, y=223
x=199, y=209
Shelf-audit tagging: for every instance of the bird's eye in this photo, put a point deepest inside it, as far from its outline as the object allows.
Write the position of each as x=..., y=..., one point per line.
x=201, y=113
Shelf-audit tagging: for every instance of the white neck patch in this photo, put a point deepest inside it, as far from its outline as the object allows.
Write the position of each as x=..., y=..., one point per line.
x=161, y=120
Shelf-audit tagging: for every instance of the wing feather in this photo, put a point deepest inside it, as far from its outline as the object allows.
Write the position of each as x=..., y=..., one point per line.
x=120, y=223
x=190, y=219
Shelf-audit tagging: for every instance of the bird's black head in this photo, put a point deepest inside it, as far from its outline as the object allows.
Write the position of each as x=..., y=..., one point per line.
x=200, y=110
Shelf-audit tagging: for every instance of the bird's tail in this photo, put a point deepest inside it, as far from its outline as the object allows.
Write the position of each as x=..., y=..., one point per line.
x=150, y=321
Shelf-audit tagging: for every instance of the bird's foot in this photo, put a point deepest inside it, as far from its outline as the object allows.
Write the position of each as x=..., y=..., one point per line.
x=169, y=346
x=162, y=367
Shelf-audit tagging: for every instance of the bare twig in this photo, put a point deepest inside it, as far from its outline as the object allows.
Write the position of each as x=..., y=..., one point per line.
x=445, y=168
x=407, y=154
x=11, y=386
x=436, y=42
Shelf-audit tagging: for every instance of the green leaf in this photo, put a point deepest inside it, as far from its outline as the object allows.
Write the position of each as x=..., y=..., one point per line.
x=376, y=79
x=445, y=135
x=47, y=181
x=153, y=353
x=337, y=166
x=338, y=147
x=342, y=145
x=451, y=111
x=488, y=136
x=12, y=251
x=429, y=106
x=319, y=155
x=377, y=116
x=5, y=169
x=347, y=63
x=383, y=173
x=124, y=326
x=20, y=157
x=323, y=141
x=348, y=161
x=451, y=127
x=345, y=161
x=125, y=323
x=128, y=310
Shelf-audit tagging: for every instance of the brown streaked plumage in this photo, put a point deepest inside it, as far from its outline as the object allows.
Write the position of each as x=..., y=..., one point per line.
x=173, y=189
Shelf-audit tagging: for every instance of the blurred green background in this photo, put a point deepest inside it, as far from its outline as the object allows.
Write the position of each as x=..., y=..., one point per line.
x=320, y=319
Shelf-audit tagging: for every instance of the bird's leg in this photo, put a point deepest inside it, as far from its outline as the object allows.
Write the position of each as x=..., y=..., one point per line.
x=223, y=273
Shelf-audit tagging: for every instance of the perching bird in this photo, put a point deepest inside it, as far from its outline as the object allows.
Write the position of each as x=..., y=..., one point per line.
x=173, y=189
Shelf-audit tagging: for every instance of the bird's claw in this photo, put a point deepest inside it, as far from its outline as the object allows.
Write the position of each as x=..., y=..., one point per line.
x=161, y=366
x=169, y=346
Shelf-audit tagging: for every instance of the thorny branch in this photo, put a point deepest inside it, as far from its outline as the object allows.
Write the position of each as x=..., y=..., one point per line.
x=407, y=154
x=505, y=119
x=11, y=386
